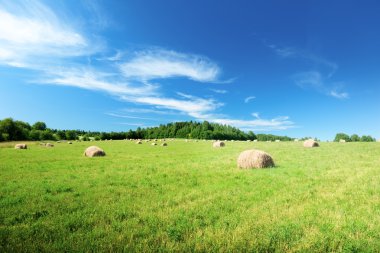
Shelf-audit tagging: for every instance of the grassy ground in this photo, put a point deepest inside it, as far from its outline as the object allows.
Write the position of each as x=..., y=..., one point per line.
x=189, y=197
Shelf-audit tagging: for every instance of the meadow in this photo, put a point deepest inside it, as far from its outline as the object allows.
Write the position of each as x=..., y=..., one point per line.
x=189, y=197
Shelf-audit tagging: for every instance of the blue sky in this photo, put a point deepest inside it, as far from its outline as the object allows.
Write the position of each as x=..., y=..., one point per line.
x=297, y=68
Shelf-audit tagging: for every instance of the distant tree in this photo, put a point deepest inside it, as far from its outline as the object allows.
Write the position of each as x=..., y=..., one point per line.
x=367, y=138
x=7, y=129
x=47, y=135
x=35, y=135
x=251, y=136
x=355, y=138
x=342, y=136
x=39, y=125
x=71, y=135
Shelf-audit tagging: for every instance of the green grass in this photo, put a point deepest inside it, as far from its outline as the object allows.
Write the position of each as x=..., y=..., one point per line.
x=189, y=197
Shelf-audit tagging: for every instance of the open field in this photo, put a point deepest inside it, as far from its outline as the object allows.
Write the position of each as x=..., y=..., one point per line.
x=189, y=197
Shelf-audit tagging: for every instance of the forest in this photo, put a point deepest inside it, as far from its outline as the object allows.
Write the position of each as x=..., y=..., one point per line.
x=14, y=130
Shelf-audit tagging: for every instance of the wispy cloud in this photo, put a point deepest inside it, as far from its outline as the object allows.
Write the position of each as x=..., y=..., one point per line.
x=130, y=117
x=31, y=35
x=256, y=124
x=219, y=91
x=247, y=99
x=150, y=111
x=319, y=78
x=91, y=80
x=188, y=104
x=314, y=80
x=340, y=95
x=256, y=115
x=160, y=63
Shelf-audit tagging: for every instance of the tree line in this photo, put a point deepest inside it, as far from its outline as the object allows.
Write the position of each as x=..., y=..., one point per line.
x=353, y=138
x=14, y=130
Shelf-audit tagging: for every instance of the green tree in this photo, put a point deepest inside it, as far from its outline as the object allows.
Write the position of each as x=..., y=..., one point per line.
x=367, y=138
x=7, y=129
x=71, y=135
x=39, y=125
x=355, y=138
x=342, y=136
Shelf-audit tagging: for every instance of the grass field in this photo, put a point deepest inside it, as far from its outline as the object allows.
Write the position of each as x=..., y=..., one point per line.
x=189, y=197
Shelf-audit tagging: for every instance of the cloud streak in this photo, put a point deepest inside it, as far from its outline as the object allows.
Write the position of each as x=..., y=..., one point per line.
x=318, y=79
x=32, y=36
x=314, y=80
x=160, y=63
x=247, y=99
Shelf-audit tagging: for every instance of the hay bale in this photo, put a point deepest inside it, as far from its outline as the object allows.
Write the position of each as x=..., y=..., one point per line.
x=250, y=159
x=21, y=146
x=277, y=140
x=164, y=144
x=153, y=144
x=49, y=145
x=296, y=140
x=342, y=141
x=58, y=142
x=310, y=143
x=138, y=142
x=70, y=142
x=218, y=144
x=94, y=151
x=255, y=140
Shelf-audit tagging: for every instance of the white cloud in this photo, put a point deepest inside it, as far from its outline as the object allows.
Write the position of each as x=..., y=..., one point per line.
x=315, y=81
x=291, y=52
x=92, y=80
x=340, y=95
x=319, y=80
x=129, y=116
x=309, y=79
x=188, y=105
x=36, y=31
x=31, y=33
x=159, y=63
x=219, y=91
x=247, y=99
x=256, y=115
x=150, y=111
x=258, y=124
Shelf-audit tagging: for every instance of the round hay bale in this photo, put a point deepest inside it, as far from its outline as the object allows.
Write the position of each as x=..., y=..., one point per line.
x=94, y=151
x=342, y=141
x=310, y=144
x=218, y=144
x=138, y=142
x=153, y=144
x=58, y=142
x=49, y=145
x=164, y=144
x=70, y=142
x=21, y=146
x=255, y=140
x=277, y=140
x=251, y=159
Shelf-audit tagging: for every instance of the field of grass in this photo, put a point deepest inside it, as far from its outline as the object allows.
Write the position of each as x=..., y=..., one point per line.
x=189, y=197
